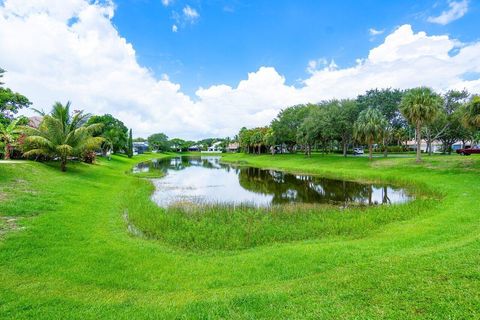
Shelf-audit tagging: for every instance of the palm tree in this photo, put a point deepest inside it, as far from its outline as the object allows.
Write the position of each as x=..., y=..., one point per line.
x=257, y=139
x=61, y=134
x=471, y=118
x=370, y=127
x=8, y=134
x=110, y=137
x=420, y=106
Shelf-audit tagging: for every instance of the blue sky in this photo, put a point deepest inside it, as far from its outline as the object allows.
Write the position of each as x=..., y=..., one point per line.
x=232, y=37
x=203, y=68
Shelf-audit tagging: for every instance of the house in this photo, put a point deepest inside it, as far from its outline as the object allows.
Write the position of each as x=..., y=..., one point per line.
x=233, y=147
x=35, y=121
x=436, y=145
x=140, y=147
x=214, y=148
x=195, y=148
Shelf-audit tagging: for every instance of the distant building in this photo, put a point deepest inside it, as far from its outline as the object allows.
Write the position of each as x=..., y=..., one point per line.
x=436, y=145
x=195, y=148
x=214, y=148
x=140, y=147
x=35, y=121
x=233, y=147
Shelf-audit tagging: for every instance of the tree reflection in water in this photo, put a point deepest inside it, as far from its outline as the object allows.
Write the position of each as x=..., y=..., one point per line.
x=233, y=185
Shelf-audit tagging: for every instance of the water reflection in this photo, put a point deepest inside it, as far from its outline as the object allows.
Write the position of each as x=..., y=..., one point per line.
x=204, y=180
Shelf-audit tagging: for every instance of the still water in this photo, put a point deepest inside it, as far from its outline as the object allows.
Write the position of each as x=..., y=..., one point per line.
x=204, y=180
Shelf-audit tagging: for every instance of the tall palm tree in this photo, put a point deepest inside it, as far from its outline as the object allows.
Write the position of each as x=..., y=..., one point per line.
x=471, y=118
x=369, y=128
x=62, y=134
x=8, y=135
x=420, y=106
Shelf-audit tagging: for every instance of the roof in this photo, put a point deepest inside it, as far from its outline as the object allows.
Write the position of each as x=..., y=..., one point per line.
x=35, y=121
x=234, y=145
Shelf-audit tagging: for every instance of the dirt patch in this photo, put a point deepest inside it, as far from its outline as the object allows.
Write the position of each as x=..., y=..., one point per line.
x=8, y=224
x=16, y=185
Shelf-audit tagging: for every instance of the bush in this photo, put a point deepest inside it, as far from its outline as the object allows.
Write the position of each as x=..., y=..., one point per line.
x=89, y=157
x=392, y=149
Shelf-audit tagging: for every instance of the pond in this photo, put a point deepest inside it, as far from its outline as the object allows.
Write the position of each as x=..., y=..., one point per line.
x=205, y=180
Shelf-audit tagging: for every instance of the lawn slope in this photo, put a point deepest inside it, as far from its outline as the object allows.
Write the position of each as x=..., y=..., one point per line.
x=72, y=257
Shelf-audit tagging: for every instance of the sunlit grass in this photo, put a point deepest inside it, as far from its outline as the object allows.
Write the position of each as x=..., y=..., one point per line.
x=75, y=258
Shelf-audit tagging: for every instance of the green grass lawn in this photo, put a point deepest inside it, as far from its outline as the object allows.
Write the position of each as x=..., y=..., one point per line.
x=72, y=257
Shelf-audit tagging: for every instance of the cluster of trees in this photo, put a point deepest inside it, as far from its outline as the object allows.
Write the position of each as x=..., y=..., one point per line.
x=10, y=103
x=381, y=118
x=255, y=140
x=161, y=142
x=61, y=134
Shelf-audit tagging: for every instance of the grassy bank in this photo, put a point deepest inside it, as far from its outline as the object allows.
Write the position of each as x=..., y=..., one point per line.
x=75, y=259
x=225, y=228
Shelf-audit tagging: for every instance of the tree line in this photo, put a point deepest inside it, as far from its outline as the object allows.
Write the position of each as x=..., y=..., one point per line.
x=60, y=134
x=162, y=143
x=384, y=119
x=381, y=118
x=63, y=133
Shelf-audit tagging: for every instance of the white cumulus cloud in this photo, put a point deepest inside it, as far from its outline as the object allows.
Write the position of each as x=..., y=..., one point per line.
x=375, y=32
x=190, y=14
x=457, y=9
x=72, y=51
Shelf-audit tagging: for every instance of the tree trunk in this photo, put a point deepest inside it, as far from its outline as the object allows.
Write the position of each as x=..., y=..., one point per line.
x=385, y=151
x=419, y=142
x=63, y=164
x=370, y=151
x=345, y=149
x=7, y=151
x=429, y=142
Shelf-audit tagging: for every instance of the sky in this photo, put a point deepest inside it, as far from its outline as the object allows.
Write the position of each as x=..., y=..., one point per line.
x=204, y=68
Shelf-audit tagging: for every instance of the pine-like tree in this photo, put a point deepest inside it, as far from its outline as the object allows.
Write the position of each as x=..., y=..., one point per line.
x=130, y=145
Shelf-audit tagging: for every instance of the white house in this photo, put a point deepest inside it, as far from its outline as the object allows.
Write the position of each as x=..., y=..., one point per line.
x=214, y=148
x=436, y=145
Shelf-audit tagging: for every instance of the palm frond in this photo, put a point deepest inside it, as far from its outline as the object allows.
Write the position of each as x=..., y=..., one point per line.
x=39, y=141
x=39, y=112
x=37, y=152
x=64, y=149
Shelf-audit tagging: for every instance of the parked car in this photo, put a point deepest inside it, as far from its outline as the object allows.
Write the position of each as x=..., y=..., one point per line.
x=469, y=150
x=358, y=151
